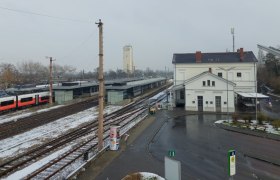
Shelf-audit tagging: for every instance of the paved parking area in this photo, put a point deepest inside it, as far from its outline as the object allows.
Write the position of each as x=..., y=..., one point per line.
x=199, y=145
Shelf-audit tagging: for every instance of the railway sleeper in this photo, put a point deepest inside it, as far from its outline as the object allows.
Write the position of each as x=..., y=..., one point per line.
x=8, y=166
x=76, y=153
x=42, y=175
x=73, y=156
x=61, y=163
x=68, y=159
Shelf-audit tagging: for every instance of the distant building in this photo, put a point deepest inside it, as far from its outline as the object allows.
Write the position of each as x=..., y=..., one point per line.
x=128, y=65
x=211, y=81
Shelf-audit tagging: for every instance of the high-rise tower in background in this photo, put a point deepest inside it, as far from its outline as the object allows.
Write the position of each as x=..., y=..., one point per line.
x=128, y=65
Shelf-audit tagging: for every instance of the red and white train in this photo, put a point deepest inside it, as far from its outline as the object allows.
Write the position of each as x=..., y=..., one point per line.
x=24, y=100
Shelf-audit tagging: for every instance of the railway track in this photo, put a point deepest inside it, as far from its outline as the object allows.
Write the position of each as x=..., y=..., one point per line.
x=51, y=170
x=45, y=149
x=24, y=124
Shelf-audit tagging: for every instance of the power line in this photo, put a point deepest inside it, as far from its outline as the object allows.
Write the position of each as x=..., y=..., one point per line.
x=79, y=46
x=44, y=15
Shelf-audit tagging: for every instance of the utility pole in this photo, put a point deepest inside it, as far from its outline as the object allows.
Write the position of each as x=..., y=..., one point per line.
x=256, y=90
x=101, y=87
x=50, y=81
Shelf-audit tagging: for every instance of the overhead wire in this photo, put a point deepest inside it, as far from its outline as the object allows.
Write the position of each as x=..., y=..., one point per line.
x=59, y=18
x=44, y=15
x=79, y=46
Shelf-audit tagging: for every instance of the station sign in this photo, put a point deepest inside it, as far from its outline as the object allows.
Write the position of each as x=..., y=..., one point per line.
x=231, y=162
x=171, y=153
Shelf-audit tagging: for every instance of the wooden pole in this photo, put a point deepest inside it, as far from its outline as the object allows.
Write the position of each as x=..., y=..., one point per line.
x=101, y=87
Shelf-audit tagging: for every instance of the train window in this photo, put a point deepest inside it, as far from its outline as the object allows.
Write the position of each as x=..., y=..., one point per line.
x=26, y=99
x=6, y=103
x=45, y=98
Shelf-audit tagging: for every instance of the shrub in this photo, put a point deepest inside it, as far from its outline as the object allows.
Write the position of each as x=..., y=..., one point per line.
x=247, y=118
x=276, y=123
x=261, y=118
x=250, y=118
x=269, y=119
x=234, y=118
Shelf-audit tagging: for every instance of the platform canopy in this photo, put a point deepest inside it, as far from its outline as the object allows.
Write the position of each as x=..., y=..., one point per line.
x=252, y=95
x=178, y=87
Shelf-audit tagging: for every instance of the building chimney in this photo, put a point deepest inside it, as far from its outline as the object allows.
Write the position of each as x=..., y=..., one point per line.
x=241, y=53
x=198, y=57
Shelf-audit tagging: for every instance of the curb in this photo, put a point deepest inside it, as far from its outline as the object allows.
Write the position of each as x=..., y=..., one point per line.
x=257, y=134
x=249, y=132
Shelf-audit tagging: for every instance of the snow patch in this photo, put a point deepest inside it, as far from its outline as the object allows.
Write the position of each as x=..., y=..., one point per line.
x=19, y=143
x=29, y=169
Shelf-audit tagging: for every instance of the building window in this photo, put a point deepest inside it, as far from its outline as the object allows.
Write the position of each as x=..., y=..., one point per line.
x=213, y=83
x=208, y=82
x=220, y=74
x=193, y=102
x=239, y=74
x=203, y=83
x=206, y=102
x=225, y=102
x=211, y=102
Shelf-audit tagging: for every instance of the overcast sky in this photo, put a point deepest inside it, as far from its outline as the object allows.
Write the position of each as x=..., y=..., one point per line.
x=155, y=28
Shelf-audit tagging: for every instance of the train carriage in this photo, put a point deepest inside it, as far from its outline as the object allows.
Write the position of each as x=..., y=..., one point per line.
x=27, y=100
x=8, y=103
x=44, y=97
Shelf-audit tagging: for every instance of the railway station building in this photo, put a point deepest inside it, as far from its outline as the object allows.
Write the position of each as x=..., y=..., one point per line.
x=211, y=81
x=68, y=91
x=118, y=93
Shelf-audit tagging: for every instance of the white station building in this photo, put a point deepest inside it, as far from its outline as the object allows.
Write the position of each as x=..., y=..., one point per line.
x=211, y=81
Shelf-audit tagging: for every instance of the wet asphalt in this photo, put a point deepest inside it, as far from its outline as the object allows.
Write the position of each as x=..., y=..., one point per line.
x=199, y=145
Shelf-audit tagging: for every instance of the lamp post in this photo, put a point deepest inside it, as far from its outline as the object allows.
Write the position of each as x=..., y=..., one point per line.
x=256, y=90
x=227, y=70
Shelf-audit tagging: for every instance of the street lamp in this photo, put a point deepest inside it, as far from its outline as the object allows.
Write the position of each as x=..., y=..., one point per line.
x=227, y=70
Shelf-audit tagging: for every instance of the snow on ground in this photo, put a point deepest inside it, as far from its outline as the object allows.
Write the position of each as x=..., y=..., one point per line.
x=253, y=125
x=19, y=143
x=29, y=169
x=150, y=176
x=23, y=113
x=220, y=121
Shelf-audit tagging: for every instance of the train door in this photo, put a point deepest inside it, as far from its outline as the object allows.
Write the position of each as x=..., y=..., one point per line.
x=16, y=101
x=37, y=99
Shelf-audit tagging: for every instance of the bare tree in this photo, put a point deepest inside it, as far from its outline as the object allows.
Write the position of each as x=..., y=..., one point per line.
x=9, y=75
x=33, y=72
